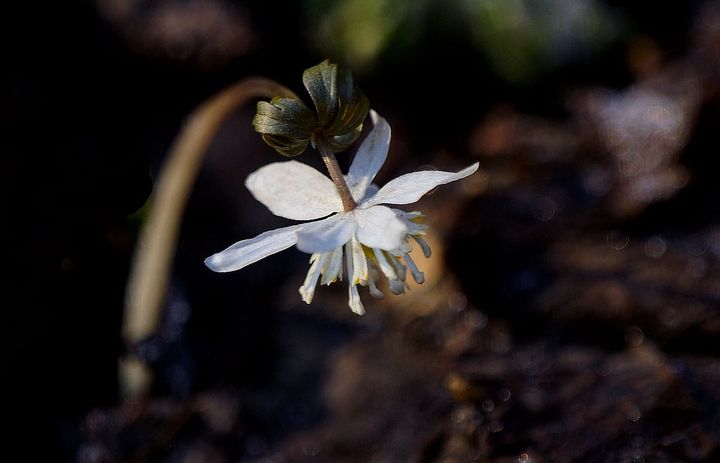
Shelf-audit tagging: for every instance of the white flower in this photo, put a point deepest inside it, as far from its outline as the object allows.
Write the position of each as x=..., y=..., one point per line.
x=374, y=237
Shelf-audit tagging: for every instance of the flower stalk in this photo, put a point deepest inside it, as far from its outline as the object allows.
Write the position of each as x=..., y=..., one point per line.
x=336, y=176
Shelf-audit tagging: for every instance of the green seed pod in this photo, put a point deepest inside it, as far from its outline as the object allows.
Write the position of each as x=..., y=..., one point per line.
x=288, y=125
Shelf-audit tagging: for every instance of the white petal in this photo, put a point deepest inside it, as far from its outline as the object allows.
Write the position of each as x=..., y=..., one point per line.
x=369, y=158
x=325, y=235
x=409, y=188
x=379, y=227
x=370, y=192
x=246, y=252
x=294, y=190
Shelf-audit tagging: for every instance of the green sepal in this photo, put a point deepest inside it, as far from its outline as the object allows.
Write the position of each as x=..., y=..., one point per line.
x=285, y=117
x=288, y=147
x=321, y=84
x=286, y=124
x=352, y=110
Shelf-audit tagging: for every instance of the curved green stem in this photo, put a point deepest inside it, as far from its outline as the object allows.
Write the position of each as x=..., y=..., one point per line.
x=149, y=275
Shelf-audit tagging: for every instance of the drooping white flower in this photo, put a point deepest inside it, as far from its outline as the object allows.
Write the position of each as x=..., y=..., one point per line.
x=372, y=239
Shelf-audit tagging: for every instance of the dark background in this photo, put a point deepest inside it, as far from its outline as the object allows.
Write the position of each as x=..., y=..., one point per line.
x=575, y=312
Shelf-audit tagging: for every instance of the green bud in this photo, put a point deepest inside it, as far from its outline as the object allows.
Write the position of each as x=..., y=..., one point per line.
x=288, y=125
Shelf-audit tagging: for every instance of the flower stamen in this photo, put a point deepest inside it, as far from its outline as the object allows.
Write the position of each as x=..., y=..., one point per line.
x=353, y=297
x=418, y=276
x=360, y=267
x=384, y=265
x=333, y=270
x=423, y=245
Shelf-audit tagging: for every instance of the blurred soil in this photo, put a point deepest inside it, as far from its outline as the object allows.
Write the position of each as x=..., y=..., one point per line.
x=571, y=310
x=573, y=315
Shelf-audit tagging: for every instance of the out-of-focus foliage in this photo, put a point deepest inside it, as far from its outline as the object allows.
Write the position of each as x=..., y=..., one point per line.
x=359, y=31
x=523, y=37
x=519, y=37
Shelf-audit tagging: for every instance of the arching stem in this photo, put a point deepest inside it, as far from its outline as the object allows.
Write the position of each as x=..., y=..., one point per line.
x=149, y=275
